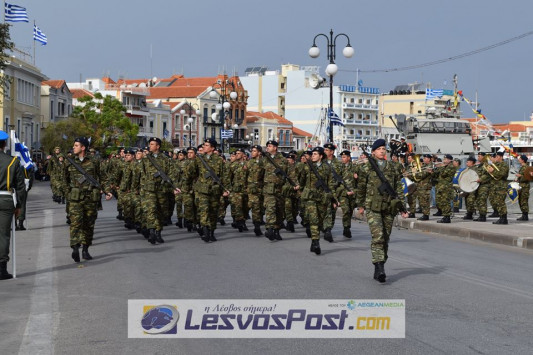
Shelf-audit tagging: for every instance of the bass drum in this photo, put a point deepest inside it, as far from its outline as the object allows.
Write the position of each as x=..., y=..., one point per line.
x=457, y=176
x=468, y=181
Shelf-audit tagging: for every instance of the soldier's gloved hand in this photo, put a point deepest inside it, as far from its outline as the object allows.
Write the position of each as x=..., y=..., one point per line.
x=225, y=194
x=177, y=191
x=108, y=196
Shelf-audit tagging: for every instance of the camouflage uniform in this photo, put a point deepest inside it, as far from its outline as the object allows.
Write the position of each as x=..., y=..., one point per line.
x=136, y=170
x=423, y=188
x=188, y=198
x=482, y=193
x=291, y=199
x=444, y=189
x=179, y=165
x=83, y=200
x=332, y=212
x=347, y=202
x=254, y=186
x=523, y=194
x=411, y=198
x=125, y=192
x=236, y=178
x=316, y=200
x=378, y=206
x=470, y=198
x=498, y=188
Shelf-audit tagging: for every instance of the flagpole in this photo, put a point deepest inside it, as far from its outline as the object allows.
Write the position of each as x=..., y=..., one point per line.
x=13, y=239
x=34, y=43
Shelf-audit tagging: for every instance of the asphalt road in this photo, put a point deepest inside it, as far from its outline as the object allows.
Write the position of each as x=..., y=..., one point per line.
x=461, y=297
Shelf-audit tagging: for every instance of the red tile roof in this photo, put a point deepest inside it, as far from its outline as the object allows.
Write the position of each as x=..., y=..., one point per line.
x=175, y=92
x=108, y=80
x=269, y=116
x=132, y=81
x=300, y=132
x=54, y=83
x=78, y=93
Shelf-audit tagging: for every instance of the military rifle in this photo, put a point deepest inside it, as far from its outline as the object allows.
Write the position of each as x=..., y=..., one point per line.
x=210, y=173
x=280, y=171
x=160, y=172
x=339, y=178
x=321, y=184
x=385, y=187
x=85, y=176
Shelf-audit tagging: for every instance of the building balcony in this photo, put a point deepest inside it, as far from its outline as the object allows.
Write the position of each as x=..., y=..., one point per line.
x=145, y=130
x=359, y=106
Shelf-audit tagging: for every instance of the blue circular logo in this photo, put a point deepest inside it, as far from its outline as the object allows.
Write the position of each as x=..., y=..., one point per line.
x=160, y=319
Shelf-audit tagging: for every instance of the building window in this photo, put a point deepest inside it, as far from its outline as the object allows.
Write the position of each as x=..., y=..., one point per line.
x=360, y=101
x=352, y=100
x=368, y=133
x=270, y=136
x=352, y=131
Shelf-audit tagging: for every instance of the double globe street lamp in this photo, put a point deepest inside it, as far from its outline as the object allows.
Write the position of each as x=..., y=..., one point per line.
x=192, y=108
x=332, y=68
x=223, y=105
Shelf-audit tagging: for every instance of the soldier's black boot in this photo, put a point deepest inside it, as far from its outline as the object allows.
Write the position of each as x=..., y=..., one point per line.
x=138, y=228
x=328, y=236
x=62, y=200
x=244, y=226
x=347, y=232
x=445, y=219
x=283, y=226
x=290, y=226
x=379, y=272
x=179, y=223
x=468, y=215
x=455, y=209
x=419, y=210
x=76, y=253
x=120, y=217
x=438, y=213
x=502, y=220
x=158, y=237
x=424, y=217
x=212, y=236
x=481, y=218
x=68, y=220
x=21, y=225
x=4, y=275
x=238, y=225
x=206, y=234
x=315, y=247
x=277, y=236
x=308, y=231
x=221, y=221
x=494, y=214
x=145, y=232
x=411, y=215
x=152, y=237
x=169, y=221
x=85, y=253
x=257, y=229
x=270, y=234
x=523, y=218
x=189, y=225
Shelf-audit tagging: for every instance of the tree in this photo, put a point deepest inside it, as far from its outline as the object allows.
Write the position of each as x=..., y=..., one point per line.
x=105, y=118
x=63, y=133
x=5, y=46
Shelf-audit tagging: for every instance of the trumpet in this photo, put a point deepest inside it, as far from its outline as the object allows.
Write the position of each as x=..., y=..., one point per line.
x=487, y=163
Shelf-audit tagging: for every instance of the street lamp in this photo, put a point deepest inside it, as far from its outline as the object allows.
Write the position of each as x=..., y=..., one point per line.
x=332, y=68
x=192, y=108
x=223, y=104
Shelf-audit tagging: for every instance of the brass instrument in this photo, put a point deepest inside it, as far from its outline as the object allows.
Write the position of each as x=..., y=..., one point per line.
x=417, y=167
x=486, y=163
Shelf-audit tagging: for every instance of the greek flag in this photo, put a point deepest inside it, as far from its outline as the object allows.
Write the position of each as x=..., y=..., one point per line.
x=226, y=133
x=334, y=118
x=433, y=93
x=15, y=13
x=39, y=36
x=22, y=152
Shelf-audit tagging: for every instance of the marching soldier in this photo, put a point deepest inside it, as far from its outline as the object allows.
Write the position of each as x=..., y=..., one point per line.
x=444, y=189
x=83, y=197
x=125, y=190
x=291, y=196
x=317, y=199
x=482, y=192
x=423, y=187
x=410, y=174
x=470, y=198
x=346, y=194
x=154, y=190
x=11, y=179
x=30, y=177
x=254, y=185
x=499, y=172
x=179, y=164
x=523, y=194
x=136, y=170
x=334, y=164
x=237, y=176
x=187, y=194
x=380, y=208
x=206, y=173
x=456, y=197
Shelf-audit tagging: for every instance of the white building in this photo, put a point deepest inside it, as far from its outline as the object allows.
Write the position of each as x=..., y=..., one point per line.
x=56, y=101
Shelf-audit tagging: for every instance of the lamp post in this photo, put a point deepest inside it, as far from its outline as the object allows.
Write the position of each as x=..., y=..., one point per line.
x=224, y=104
x=332, y=68
x=192, y=108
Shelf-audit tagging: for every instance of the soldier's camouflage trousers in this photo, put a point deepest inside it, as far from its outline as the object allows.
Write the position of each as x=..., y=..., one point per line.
x=274, y=205
x=497, y=197
x=444, y=197
x=138, y=212
x=482, y=195
x=347, y=206
x=189, y=207
x=424, y=199
x=329, y=222
x=523, y=198
x=237, y=205
x=291, y=208
x=153, y=204
x=128, y=207
x=223, y=206
x=83, y=215
x=316, y=214
x=255, y=204
x=411, y=200
x=470, y=200
x=179, y=205
x=208, y=209
x=380, y=224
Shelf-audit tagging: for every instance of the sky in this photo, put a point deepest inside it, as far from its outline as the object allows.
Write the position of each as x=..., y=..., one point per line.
x=141, y=39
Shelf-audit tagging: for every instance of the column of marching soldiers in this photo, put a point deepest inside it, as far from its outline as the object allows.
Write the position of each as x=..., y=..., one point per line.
x=268, y=187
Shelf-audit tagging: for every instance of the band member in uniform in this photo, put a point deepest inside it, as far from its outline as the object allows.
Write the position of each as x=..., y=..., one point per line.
x=499, y=171
x=470, y=198
x=524, y=182
x=444, y=188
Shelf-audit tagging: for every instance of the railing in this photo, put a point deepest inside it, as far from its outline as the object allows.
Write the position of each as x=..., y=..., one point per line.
x=146, y=130
x=136, y=107
x=360, y=106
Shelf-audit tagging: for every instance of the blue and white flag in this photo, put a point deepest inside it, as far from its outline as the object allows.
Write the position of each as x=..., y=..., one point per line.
x=334, y=118
x=39, y=36
x=15, y=13
x=226, y=133
x=22, y=152
x=433, y=93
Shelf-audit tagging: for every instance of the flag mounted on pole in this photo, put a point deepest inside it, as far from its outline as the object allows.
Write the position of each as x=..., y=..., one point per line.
x=21, y=151
x=15, y=13
x=334, y=118
x=39, y=36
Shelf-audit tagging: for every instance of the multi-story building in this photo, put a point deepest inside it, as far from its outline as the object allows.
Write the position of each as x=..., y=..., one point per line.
x=20, y=107
x=56, y=101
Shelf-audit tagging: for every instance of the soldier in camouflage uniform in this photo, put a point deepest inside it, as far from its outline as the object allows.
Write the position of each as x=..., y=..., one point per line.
x=498, y=190
x=444, y=188
x=299, y=169
x=254, y=186
x=125, y=191
x=136, y=170
x=482, y=192
x=207, y=191
x=52, y=170
x=456, y=196
x=470, y=198
x=236, y=177
x=346, y=197
x=154, y=190
x=315, y=199
x=83, y=198
x=291, y=196
x=224, y=200
x=179, y=164
x=187, y=194
x=423, y=187
x=334, y=164
x=410, y=172
x=379, y=207
x=274, y=200
x=523, y=194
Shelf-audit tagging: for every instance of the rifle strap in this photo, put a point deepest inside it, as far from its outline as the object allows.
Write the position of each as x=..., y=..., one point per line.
x=80, y=169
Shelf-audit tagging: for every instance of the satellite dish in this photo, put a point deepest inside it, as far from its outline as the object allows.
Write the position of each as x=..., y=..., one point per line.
x=360, y=82
x=315, y=81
